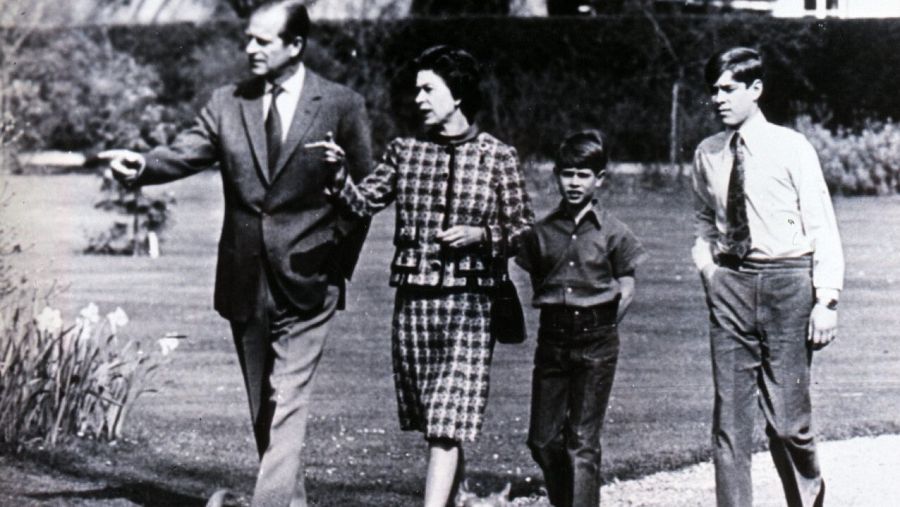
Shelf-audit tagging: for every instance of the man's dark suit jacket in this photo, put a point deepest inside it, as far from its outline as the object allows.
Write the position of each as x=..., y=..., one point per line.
x=285, y=223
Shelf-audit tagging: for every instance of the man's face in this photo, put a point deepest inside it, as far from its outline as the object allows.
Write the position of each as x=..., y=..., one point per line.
x=270, y=56
x=577, y=184
x=735, y=101
x=434, y=98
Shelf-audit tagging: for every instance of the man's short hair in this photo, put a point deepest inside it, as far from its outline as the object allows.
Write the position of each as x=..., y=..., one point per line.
x=585, y=149
x=296, y=23
x=460, y=70
x=745, y=64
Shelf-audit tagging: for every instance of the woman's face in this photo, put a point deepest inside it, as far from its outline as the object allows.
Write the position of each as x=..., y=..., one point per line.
x=434, y=99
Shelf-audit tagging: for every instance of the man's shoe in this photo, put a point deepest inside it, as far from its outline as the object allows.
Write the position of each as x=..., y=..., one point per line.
x=820, y=498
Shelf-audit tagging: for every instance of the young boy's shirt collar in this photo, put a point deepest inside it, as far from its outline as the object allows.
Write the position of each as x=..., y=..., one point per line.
x=590, y=210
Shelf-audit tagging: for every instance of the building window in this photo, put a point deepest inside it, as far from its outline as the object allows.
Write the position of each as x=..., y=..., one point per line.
x=831, y=4
x=809, y=5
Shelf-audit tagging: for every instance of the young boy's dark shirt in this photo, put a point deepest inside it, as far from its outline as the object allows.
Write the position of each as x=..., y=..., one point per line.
x=577, y=265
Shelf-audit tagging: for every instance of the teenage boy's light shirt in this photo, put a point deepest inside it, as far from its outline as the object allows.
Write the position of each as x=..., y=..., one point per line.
x=788, y=205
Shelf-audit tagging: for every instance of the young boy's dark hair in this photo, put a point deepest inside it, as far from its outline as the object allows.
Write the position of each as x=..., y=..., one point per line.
x=587, y=149
x=745, y=64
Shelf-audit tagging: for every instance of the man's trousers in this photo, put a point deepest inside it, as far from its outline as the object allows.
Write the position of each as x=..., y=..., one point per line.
x=279, y=350
x=759, y=321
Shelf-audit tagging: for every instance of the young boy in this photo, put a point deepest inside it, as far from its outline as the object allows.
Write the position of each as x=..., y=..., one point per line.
x=582, y=261
x=770, y=257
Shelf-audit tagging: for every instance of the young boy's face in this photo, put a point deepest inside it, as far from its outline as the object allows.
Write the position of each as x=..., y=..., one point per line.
x=577, y=184
x=735, y=101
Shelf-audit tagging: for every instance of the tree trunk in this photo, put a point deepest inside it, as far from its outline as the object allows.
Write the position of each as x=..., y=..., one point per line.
x=674, y=141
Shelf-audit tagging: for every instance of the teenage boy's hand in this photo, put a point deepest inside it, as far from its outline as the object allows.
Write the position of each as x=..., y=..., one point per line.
x=459, y=236
x=822, y=326
x=707, y=272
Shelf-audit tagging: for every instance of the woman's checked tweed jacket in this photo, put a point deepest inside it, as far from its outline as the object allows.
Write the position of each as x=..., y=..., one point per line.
x=487, y=190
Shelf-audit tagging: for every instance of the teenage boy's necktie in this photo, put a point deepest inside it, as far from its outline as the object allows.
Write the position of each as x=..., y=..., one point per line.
x=737, y=236
x=273, y=131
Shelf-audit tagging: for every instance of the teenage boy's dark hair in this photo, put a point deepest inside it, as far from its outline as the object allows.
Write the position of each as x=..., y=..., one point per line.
x=459, y=70
x=745, y=65
x=585, y=149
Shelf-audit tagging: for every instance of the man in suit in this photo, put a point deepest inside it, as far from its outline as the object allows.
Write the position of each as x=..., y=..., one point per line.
x=285, y=251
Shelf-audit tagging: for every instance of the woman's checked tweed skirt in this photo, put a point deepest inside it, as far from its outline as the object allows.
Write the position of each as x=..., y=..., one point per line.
x=442, y=356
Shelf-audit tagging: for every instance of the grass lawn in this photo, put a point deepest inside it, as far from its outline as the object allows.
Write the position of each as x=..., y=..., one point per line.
x=193, y=435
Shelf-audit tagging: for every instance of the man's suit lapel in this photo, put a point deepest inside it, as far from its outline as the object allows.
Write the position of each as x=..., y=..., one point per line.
x=304, y=115
x=252, y=114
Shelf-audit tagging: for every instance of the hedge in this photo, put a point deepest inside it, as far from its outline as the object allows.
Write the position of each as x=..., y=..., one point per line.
x=543, y=77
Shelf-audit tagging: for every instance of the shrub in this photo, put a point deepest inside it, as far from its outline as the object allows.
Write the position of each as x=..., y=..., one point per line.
x=865, y=161
x=74, y=91
x=141, y=220
x=545, y=77
x=57, y=381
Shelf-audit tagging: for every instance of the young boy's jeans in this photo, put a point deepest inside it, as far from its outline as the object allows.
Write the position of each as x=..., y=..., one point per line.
x=574, y=366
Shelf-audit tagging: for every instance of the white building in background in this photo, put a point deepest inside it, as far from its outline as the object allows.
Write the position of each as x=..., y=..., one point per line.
x=166, y=11
x=836, y=8
x=794, y=8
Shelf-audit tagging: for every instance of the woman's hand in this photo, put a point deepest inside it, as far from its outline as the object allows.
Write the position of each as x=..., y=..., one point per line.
x=333, y=155
x=460, y=236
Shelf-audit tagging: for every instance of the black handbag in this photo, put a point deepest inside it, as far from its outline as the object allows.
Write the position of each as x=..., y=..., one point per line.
x=507, y=318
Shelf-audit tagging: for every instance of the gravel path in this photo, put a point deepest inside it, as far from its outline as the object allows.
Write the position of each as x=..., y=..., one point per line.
x=861, y=472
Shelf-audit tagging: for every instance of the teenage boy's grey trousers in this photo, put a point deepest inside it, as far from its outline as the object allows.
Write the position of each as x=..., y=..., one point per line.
x=759, y=319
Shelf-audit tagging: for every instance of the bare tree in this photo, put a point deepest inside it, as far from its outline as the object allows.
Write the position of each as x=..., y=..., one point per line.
x=674, y=138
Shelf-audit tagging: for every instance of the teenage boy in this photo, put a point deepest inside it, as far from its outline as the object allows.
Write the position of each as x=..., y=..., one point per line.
x=582, y=262
x=770, y=258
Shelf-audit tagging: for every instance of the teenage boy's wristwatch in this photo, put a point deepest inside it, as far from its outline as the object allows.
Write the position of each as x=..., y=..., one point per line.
x=831, y=304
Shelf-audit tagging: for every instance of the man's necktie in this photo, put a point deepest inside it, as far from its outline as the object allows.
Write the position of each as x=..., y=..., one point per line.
x=737, y=235
x=273, y=131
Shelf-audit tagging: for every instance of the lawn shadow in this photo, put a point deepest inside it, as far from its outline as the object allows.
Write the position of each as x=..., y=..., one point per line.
x=397, y=492
x=140, y=493
x=173, y=483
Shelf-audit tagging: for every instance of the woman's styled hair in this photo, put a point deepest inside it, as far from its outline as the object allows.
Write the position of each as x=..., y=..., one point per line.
x=585, y=149
x=459, y=69
x=745, y=64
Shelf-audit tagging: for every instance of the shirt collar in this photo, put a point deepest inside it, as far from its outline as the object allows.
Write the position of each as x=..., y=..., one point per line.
x=293, y=85
x=752, y=131
x=591, y=211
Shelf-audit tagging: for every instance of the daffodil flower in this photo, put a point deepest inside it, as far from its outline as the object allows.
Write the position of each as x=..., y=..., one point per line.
x=117, y=319
x=167, y=345
x=49, y=321
x=87, y=317
x=90, y=313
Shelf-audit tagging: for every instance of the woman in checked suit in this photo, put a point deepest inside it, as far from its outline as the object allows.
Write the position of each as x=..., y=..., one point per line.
x=461, y=207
